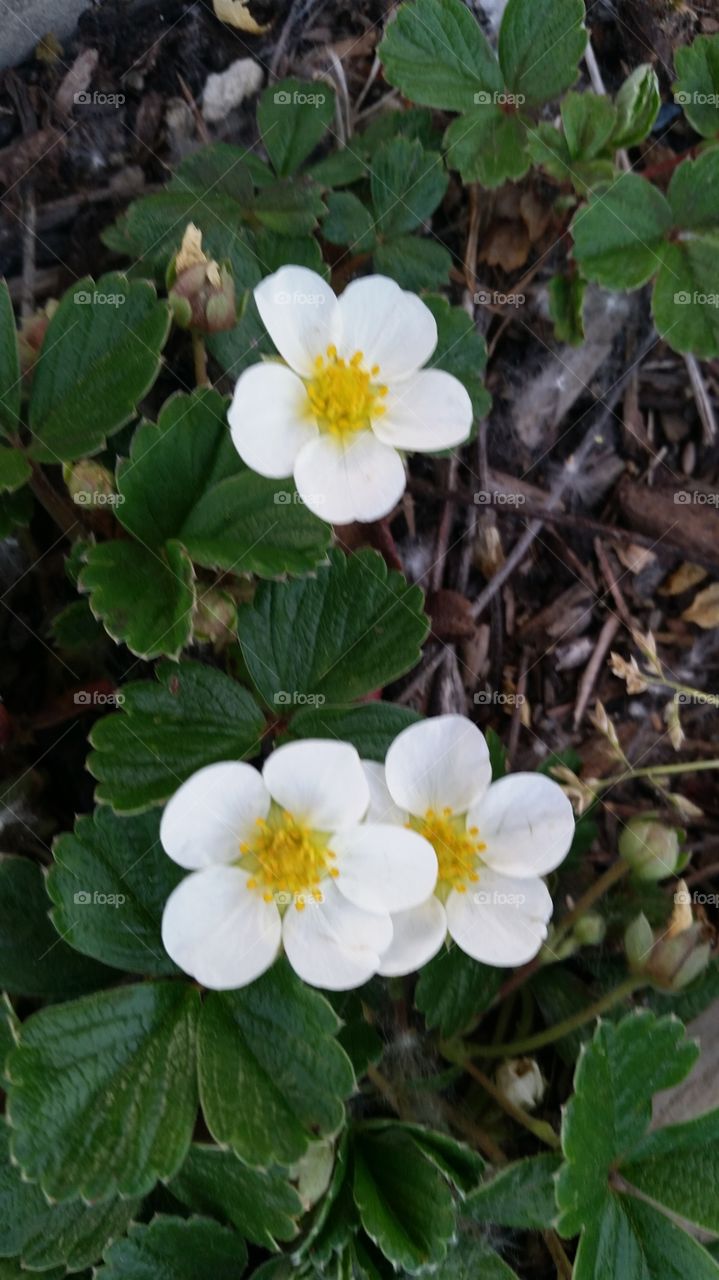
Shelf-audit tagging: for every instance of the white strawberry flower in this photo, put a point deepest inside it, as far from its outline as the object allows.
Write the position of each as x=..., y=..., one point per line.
x=281, y=858
x=350, y=395
x=494, y=841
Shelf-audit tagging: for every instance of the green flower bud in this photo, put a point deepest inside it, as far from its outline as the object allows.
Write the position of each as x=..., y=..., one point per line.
x=651, y=848
x=214, y=618
x=589, y=931
x=89, y=483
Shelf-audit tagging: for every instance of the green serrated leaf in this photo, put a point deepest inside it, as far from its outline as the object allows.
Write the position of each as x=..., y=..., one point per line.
x=272, y=1075
x=176, y=1249
x=110, y=883
x=350, y=629
x=9, y=1032
x=469, y=1258
x=407, y=184
x=275, y=251
x=617, y=1074
x=678, y=1167
x=164, y=732
x=457, y=1162
x=340, y=168
x=34, y=959
x=540, y=45
x=15, y=469
x=348, y=222
x=293, y=116
x=143, y=597
x=631, y=1240
x=697, y=86
x=521, y=1195
x=185, y=482
x=487, y=146
x=437, y=54
x=263, y=1206
x=415, y=262
x=10, y=381
x=44, y=1235
x=370, y=727
x=404, y=1203
x=99, y=357
x=453, y=989
x=620, y=236
x=589, y=120
x=102, y=1097
x=290, y=207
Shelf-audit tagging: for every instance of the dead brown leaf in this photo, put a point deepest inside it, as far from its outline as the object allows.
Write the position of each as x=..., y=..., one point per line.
x=704, y=608
x=686, y=576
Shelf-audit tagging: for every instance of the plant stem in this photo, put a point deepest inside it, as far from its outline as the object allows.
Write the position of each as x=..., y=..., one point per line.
x=561, y=1028
x=540, y=1128
x=660, y=770
x=605, y=881
x=199, y=355
x=658, y=682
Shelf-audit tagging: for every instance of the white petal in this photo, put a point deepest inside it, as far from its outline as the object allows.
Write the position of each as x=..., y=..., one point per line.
x=319, y=782
x=212, y=813
x=428, y=412
x=527, y=824
x=269, y=419
x=219, y=931
x=299, y=311
x=333, y=944
x=356, y=479
x=439, y=763
x=418, y=936
x=392, y=328
x=500, y=921
x=384, y=867
x=382, y=807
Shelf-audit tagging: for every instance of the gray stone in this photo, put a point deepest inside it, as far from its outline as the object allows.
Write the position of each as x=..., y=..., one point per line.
x=24, y=22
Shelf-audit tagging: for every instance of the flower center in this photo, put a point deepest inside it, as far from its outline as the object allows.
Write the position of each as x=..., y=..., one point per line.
x=342, y=394
x=456, y=846
x=287, y=860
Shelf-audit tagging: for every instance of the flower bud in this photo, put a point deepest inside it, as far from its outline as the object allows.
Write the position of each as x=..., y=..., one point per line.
x=214, y=618
x=589, y=931
x=89, y=483
x=31, y=335
x=651, y=848
x=522, y=1082
x=671, y=959
x=202, y=292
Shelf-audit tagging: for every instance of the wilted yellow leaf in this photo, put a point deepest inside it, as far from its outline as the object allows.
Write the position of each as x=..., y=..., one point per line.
x=704, y=608
x=237, y=14
x=686, y=576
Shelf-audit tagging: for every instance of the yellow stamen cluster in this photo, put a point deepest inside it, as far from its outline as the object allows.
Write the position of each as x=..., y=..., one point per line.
x=342, y=394
x=287, y=860
x=456, y=846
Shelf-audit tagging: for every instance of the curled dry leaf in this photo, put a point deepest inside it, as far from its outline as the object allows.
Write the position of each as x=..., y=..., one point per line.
x=704, y=608
x=236, y=13
x=686, y=576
